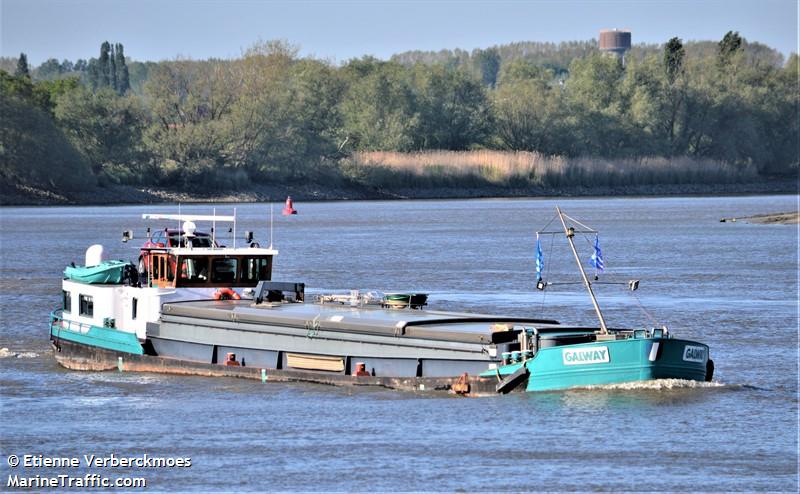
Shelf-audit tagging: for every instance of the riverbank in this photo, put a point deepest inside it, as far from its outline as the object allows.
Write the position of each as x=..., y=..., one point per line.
x=788, y=218
x=11, y=195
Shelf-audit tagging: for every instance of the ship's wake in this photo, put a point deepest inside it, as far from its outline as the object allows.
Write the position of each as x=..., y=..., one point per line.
x=664, y=384
x=6, y=353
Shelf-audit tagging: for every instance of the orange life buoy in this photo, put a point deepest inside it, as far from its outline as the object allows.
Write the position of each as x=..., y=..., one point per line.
x=226, y=294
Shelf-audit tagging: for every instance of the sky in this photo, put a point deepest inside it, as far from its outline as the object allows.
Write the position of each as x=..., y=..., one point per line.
x=340, y=30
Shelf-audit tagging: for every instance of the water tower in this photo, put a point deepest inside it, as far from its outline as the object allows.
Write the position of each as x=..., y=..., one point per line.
x=615, y=41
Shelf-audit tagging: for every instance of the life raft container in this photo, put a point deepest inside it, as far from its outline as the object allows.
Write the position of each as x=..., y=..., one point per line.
x=226, y=294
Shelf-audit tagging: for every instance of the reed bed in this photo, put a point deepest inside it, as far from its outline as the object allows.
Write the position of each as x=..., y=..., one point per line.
x=524, y=169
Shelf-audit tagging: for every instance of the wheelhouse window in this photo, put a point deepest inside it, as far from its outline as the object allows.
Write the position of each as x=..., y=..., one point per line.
x=223, y=269
x=86, y=305
x=134, y=308
x=67, y=301
x=199, y=241
x=169, y=268
x=193, y=270
x=255, y=269
x=158, y=238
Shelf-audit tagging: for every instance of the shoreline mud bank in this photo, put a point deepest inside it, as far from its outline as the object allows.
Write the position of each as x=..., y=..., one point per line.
x=11, y=195
x=787, y=218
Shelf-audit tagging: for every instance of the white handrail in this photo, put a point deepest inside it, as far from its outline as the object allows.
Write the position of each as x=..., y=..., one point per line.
x=187, y=217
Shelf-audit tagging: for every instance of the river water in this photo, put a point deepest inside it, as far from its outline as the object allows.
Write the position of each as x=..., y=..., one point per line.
x=730, y=285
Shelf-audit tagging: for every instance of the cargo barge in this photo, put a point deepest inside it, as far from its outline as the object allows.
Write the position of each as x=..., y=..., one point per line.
x=193, y=306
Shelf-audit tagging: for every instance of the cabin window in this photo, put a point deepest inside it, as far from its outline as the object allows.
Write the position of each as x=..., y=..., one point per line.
x=158, y=238
x=156, y=270
x=134, y=307
x=255, y=269
x=193, y=270
x=87, y=305
x=199, y=241
x=169, y=268
x=223, y=270
x=67, y=301
x=202, y=242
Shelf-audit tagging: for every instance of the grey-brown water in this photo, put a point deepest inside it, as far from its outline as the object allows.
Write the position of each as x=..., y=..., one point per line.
x=732, y=286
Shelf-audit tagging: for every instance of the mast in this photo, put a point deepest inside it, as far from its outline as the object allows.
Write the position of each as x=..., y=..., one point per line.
x=570, y=232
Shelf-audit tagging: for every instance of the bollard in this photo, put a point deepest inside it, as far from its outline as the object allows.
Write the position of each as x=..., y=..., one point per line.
x=263, y=375
x=119, y=364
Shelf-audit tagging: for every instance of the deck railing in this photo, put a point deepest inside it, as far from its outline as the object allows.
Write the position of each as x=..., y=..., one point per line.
x=57, y=321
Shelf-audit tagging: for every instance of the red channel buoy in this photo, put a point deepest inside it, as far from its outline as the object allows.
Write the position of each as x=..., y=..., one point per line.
x=289, y=209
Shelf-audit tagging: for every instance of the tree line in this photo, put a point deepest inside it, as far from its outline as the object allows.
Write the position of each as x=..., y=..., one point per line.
x=273, y=116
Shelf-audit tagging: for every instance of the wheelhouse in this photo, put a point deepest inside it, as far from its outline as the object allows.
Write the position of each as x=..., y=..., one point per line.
x=215, y=268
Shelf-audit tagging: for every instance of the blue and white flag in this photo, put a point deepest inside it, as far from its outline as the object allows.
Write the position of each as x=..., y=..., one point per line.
x=597, y=258
x=539, y=259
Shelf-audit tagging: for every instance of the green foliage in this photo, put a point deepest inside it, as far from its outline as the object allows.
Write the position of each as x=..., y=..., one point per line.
x=22, y=67
x=41, y=95
x=102, y=78
x=50, y=69
x=123, y=83
x=187, y=103
x=454, y=109
x=46, y=93
x=106, y=129
x=597, y=108
x=33, y=151
x=283, y=125
x=271, y=116
x=552, y=56
x=728, y=46
x=673, y=59
x=528, y=111
x=522, y=70
x=110, y=69
x=18, y=86
x=594, y=83
x=488, y=64
x=379, y=110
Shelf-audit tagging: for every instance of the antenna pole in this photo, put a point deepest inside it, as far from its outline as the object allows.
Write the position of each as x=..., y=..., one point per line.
x=214, y=228
x=570, y=232
x=270, y=225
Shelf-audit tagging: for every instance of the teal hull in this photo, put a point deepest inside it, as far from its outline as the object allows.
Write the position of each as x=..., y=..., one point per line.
x=108, y=338
x=612, y=362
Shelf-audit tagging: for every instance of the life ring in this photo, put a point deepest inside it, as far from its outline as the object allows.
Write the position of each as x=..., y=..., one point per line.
x=226, y=294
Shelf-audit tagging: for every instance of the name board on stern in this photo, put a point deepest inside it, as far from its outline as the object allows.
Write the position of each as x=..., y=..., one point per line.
x=581, y=356
x=694, y=354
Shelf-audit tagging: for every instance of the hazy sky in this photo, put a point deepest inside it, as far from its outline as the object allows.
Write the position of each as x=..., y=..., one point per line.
x=339, y=30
